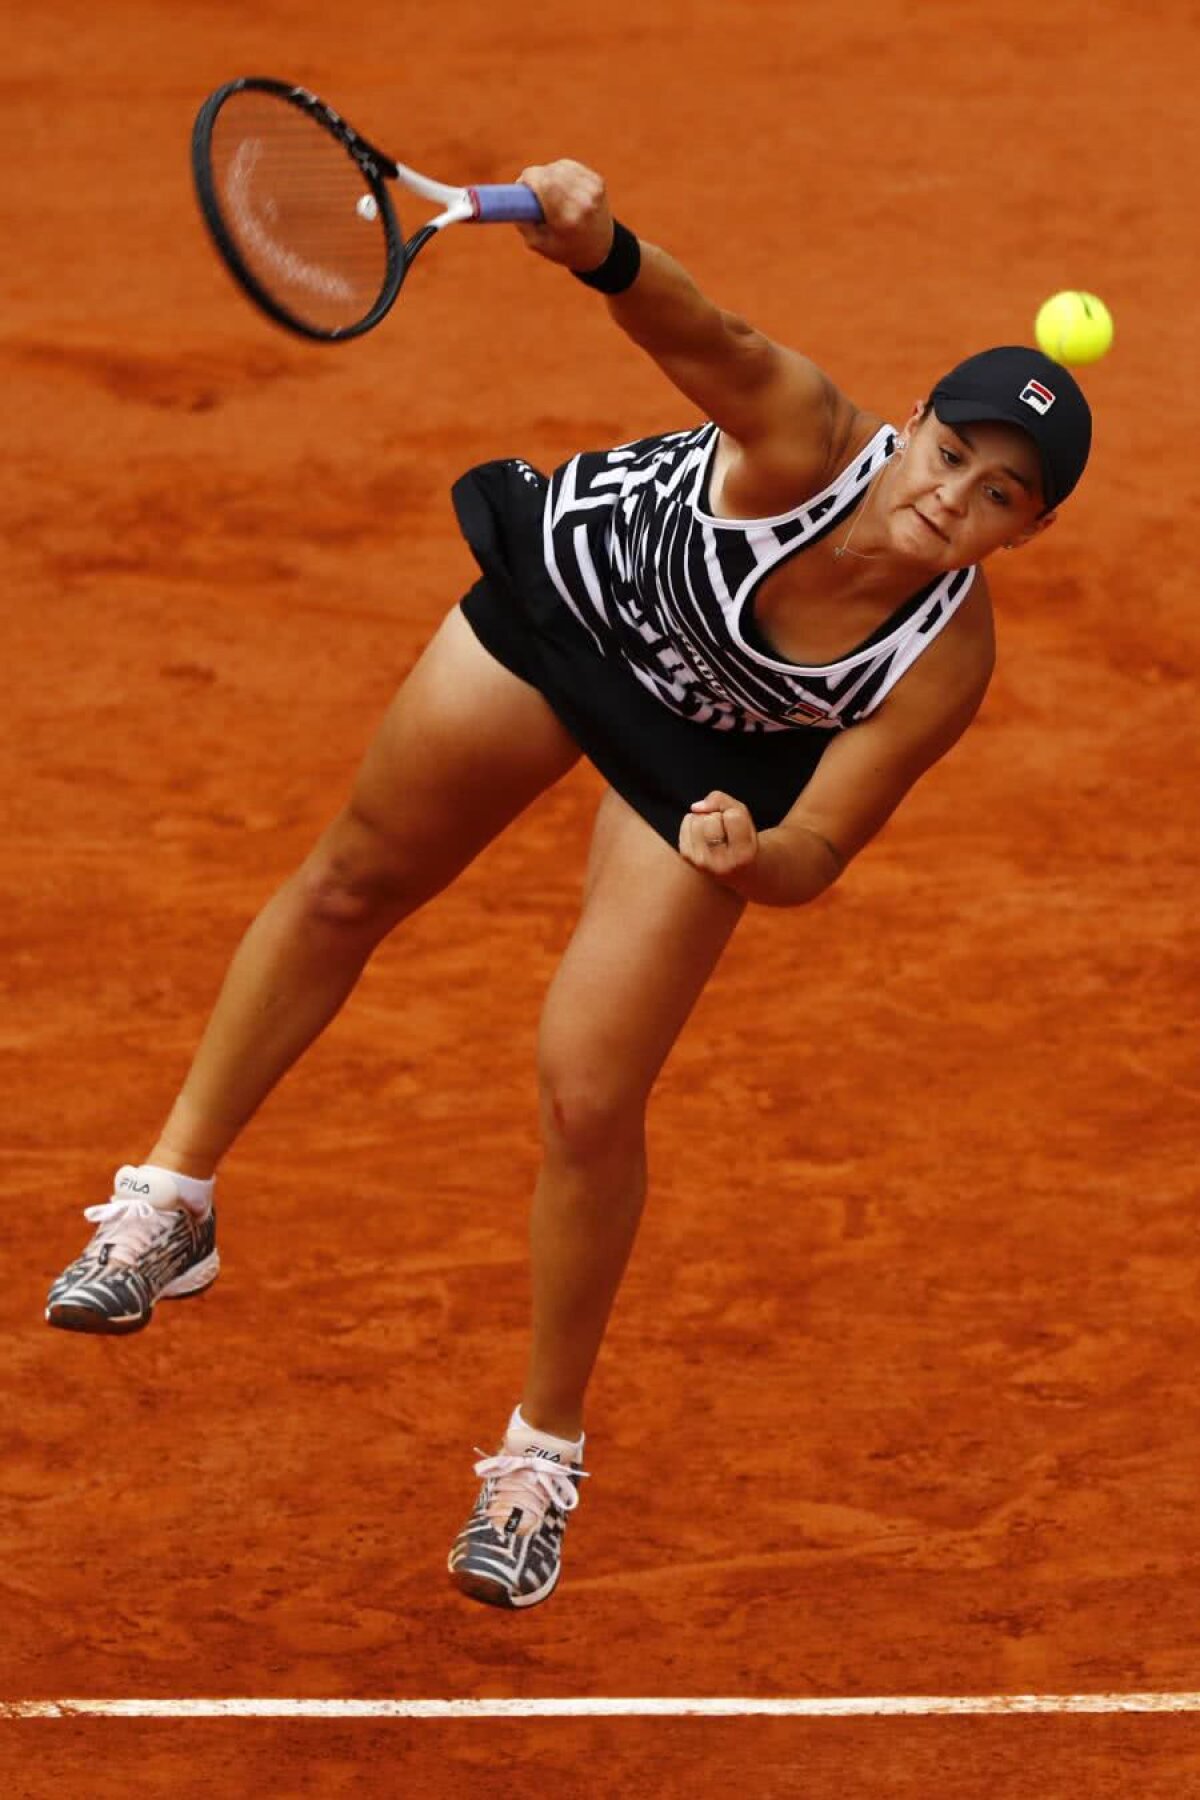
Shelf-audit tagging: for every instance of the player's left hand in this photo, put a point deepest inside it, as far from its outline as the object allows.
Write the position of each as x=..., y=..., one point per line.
x=718, y=835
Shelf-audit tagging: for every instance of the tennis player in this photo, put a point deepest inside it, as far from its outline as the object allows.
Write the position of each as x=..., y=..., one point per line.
x=761, y=630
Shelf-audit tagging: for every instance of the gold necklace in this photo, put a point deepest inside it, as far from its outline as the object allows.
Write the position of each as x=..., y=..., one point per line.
x=843, y=549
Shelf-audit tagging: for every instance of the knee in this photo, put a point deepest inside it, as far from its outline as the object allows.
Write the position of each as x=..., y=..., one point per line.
x=356, y=877
x=589, y=1115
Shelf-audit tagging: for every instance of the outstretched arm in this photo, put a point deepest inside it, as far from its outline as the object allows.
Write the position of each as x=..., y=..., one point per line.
x=757, y=391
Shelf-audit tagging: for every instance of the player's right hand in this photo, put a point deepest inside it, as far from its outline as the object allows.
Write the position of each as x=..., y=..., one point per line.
x=578, y=227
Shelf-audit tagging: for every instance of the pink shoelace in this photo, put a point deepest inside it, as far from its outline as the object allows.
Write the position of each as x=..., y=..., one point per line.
x=128, y=1226
x=531, y=1483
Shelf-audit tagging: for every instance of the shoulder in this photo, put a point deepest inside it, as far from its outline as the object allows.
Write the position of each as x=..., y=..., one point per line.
x=868, y=768
x=974, y=640
x=943, y=690
x=852, y=428
x=804, y=441
x=815, y=426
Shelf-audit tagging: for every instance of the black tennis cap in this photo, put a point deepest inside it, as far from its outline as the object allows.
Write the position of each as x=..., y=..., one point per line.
x=1030, y=390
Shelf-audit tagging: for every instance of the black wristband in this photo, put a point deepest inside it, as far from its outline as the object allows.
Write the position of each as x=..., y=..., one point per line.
x=619, y=270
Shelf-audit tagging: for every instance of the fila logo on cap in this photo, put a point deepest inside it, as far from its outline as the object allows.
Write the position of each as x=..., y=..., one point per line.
x=1037, y=396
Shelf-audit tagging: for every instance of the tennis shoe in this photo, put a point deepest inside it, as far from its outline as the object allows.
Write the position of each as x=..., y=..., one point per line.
x=509, y=1552
x=150, y=1245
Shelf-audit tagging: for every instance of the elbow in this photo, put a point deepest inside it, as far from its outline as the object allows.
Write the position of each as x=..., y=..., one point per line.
x=795, y=866
x=784, y=896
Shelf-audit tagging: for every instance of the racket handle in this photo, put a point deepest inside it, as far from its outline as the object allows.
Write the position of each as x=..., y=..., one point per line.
x=511, y=204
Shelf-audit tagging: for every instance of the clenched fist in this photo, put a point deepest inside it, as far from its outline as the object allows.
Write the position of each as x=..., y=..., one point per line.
x=578, y=226
x=717, y=834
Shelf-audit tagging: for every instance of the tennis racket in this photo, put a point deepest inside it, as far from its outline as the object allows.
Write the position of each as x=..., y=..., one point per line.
x=298, y=204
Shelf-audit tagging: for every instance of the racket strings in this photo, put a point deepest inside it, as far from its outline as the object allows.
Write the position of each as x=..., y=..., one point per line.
x=299, y=211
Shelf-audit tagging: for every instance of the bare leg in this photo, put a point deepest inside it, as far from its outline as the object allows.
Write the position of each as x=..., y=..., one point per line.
x=464, y=747
x=651, y=932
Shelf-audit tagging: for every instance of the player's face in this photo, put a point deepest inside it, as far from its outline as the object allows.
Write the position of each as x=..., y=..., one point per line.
x=961, y=491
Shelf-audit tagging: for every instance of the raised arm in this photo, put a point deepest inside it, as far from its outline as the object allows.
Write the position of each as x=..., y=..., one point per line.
x=758, y=392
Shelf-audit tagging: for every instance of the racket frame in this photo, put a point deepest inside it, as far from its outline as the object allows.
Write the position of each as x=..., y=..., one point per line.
x=501, y=203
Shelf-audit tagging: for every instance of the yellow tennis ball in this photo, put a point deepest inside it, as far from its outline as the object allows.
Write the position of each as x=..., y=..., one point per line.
x=1074, y=328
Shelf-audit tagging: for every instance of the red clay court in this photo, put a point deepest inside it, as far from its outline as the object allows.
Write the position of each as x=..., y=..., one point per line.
x=899, y=1395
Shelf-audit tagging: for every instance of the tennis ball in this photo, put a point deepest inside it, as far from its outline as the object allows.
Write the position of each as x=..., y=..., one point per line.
x=1074, y=328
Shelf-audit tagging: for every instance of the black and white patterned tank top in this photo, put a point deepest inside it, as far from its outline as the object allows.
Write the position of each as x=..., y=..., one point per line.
x=667, y=587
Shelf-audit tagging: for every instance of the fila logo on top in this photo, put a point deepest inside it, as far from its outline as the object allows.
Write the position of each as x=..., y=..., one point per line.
x=1037, y=396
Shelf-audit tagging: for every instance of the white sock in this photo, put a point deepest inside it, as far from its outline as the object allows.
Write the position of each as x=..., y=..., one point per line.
x=569, y=1449
x=197, y=1194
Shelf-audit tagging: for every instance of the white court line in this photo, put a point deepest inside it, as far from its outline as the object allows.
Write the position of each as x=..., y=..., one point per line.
x=848, y=1707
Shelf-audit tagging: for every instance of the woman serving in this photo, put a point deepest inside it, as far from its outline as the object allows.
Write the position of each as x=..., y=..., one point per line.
x=761, y=631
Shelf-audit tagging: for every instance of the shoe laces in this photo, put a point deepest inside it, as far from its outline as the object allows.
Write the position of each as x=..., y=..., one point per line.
x=531, y=1483
x=128, y=1225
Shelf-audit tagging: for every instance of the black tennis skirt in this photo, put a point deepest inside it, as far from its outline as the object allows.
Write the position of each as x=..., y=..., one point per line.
x=655, y=759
